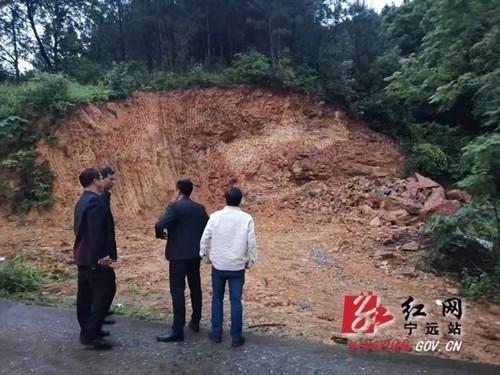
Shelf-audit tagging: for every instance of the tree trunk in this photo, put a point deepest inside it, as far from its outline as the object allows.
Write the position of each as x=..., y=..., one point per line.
x=31, y=18
x=120, y=27
x=270, y=32
x=159, y=24
x=207, y=25
x=14, y=41
x=174, y=50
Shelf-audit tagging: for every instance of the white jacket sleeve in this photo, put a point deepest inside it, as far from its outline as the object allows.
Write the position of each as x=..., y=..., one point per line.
x=205, y=241
x=251, y=244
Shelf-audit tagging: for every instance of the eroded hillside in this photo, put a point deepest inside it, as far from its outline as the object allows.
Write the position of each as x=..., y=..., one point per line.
x=332, y=216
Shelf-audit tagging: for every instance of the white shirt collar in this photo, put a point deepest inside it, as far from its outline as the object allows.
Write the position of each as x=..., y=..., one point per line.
x=232, y=208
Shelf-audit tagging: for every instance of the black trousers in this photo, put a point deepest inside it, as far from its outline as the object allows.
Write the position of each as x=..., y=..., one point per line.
x=178, y=271
x=96, y=290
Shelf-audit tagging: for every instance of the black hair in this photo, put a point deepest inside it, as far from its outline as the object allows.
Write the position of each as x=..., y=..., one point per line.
x=233, y=196
x=107, y=171
x=88, y=176
x=185, y=187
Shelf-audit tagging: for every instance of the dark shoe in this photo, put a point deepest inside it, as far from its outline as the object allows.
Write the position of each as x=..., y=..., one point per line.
x=215, y=338
x=96, y=344
x=195, y=327
x=237, y=343
x=104, y=333
x=109, y=321
x=170, y=337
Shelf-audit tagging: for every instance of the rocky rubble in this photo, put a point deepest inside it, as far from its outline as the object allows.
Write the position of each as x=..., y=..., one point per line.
x=391, y=201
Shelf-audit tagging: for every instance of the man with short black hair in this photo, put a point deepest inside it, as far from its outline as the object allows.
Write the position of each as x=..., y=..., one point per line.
x=229, y=244
x=184, y=221
x=96, y=279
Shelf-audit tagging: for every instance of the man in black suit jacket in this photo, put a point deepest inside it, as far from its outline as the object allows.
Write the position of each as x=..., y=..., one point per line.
x=184, y=221
x=93, y=251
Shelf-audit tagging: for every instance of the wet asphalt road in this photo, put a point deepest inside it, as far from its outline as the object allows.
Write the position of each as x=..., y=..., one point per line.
x=44, y=340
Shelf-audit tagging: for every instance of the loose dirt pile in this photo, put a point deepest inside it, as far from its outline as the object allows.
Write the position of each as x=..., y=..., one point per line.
x=332, y=216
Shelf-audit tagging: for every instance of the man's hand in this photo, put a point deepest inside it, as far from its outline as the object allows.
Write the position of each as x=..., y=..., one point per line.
x=161, y=235
x=106, y=261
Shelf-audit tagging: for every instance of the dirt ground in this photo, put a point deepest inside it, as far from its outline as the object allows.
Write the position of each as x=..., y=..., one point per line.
x=332, y=217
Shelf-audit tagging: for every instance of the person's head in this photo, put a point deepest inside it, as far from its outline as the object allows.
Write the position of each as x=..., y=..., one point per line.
x=184, y=187
x=90, y=178
x=108, y=178
x=233, y=196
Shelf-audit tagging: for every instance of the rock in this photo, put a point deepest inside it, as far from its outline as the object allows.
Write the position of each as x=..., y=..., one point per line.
x=375, y=222
x=425, y=182
x=458, y=195
x=409, y=205
x=286, y=205
x=494, y=309
x=436, y=200
x=384, y=254
x=296, y=168
x=321, y=258
x=383, y=190
x=396, y=217
x=405, y=271
x=303, y=304
x=410, y=246
x=437, y=194
x=412, y=188
x=444, y=208
x=379, y=172
x=367, y=210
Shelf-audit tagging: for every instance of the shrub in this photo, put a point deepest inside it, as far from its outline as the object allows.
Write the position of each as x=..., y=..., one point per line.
x=46, y=93
x=25, y=182
x=251, y=67
x=301, y=78
x=83, y=69
x=118, y=81
x=479, y=286
x=17, y=276
x=12, y=130
x=427, y=159
x=463, y=244
x=85, y=94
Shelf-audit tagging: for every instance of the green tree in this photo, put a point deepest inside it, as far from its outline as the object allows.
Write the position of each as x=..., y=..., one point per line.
x=482, y=159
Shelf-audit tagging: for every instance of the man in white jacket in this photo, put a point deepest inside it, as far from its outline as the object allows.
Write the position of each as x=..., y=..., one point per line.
x=228, y=242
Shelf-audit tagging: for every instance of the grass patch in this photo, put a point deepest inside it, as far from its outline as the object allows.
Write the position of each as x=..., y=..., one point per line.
x=20, y=281
x=140, y=312
x=41, y=299
x=16, y=276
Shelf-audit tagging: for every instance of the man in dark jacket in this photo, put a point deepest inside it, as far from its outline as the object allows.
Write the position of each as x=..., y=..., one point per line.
x=184, y=221
x=92, y=251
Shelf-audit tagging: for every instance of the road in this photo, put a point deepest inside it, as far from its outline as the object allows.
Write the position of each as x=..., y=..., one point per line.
x=44, y=340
